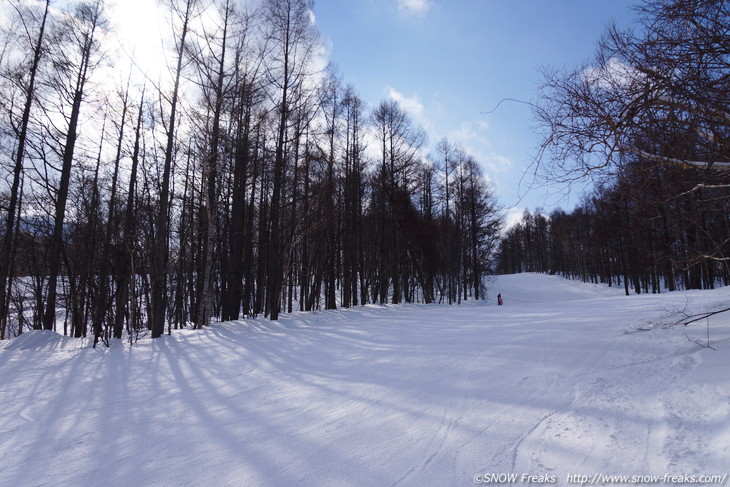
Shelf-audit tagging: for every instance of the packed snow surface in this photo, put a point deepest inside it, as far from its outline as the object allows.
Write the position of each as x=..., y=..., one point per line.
x=563, y=381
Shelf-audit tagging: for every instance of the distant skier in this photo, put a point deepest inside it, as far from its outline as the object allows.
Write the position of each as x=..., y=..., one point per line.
x=499, y=299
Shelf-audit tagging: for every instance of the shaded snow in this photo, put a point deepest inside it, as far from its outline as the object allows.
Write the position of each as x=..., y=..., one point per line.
x=556, y=382
x=43, y=341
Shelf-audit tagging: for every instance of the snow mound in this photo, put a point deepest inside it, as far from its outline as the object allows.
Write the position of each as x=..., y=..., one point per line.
x=42, y=341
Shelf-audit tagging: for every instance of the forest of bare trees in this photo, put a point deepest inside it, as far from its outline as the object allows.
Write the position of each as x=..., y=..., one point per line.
x=247, y=180
x=649, y=120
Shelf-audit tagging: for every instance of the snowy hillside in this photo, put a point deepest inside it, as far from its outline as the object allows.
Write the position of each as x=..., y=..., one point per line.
x=556, y=384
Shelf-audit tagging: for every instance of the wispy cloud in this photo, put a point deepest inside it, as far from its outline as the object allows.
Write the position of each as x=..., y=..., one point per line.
x=414, y=8
x=471, y=133
x=417, y=113
x=473, y=138
x=412, y=105
x=512, y=217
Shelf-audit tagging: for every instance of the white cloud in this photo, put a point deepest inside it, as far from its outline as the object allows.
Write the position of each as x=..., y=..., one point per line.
x=415, y=109
x=512, y=217
x=613, y=74
x=497, y=163
x=417, y=112
x=468, y=134
x=472, y=137
x=417, y=8
x=412, y=105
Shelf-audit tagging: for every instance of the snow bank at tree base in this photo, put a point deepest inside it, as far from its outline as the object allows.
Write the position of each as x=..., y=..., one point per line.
x=557, y=384
x=44, y=341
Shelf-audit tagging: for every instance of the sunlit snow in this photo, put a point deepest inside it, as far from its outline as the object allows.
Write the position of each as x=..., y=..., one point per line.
x=560, y=381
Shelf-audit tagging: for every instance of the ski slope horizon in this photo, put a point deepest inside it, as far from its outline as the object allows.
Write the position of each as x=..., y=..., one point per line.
x=565, y=383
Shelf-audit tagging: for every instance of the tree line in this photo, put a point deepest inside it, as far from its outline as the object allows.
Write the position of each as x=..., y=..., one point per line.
x=648, y=120
x=628, y=235
x=247, y=180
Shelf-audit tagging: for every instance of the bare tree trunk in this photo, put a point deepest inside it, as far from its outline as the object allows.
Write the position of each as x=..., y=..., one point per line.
x=292, y=36
x=18, y=168
x=210, y=177
x=93, y=17
x=126, y=267
x=107, y=263
x=162, y=225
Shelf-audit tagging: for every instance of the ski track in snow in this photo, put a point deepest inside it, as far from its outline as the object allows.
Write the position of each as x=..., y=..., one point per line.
x=557, y=382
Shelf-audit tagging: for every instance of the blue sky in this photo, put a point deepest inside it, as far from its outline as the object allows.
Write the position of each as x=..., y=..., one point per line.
x=449, y=61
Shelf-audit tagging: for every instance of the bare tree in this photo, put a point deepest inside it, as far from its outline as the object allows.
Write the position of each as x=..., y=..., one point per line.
x=34, y=30
x=290, y=37
x=209, y=55
x=400, y=141
x=668, y=76
x=448, y=158
x=247, y=95
x=353, y=195
x=330, y=101
x=651, y=106
x=125, y=267
x=184, y=14
x=73, y=60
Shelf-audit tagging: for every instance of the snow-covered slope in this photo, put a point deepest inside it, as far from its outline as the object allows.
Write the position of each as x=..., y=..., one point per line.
x=558, y=382
x=541, y=288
